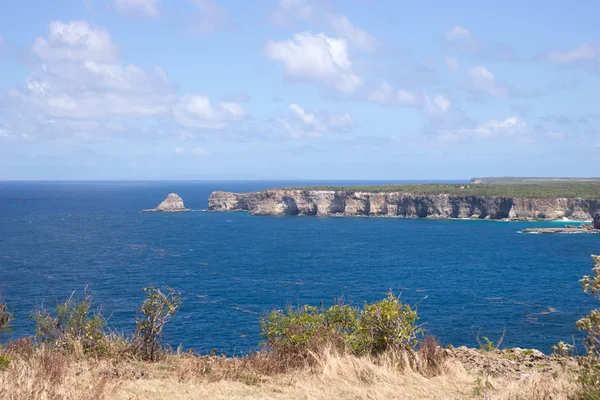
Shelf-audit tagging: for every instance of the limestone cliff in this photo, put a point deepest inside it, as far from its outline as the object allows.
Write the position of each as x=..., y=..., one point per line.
x=173, y=203
x=397, y=204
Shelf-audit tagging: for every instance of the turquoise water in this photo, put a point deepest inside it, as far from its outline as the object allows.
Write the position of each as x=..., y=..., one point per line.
x=233, y=268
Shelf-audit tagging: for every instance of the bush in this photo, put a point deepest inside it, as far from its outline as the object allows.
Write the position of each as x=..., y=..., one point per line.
x=158, y=309
x=387, y=324
x=589, y=376
x=5, y=320
x=73, y=325
x=372, y=330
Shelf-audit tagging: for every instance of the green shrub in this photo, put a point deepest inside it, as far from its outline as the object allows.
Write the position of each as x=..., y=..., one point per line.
x=158, y=309
x=589, y=376
x=5, y=362
x=6, y=319
x=387, y=324
x=297, y=331
x=73, y=325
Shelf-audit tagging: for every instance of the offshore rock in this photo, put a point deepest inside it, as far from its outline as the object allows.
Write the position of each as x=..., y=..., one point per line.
x=400, y=204
x=567, y=229
x=173, y=203
x=596, y=222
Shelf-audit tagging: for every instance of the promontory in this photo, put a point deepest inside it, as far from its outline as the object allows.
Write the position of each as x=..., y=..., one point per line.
x=573, y=201
x=173, y=203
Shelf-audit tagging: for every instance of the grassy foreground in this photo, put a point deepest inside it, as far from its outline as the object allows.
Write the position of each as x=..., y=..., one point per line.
x=377, y=351
x=586, y=190
x=44, y=373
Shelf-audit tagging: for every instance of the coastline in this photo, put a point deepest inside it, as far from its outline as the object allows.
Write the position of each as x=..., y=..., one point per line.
x=296, y=202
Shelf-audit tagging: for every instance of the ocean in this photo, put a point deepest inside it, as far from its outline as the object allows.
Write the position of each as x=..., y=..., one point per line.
x=465, y=276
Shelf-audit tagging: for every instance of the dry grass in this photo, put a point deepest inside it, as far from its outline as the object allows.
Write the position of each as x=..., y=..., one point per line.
x=432, y=374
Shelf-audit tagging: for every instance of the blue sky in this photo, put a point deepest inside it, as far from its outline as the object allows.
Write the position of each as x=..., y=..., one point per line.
x=298, y=89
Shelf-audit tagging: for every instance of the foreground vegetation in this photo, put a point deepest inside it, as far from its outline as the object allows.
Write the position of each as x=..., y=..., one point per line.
x=586, y=190
x=378, y=351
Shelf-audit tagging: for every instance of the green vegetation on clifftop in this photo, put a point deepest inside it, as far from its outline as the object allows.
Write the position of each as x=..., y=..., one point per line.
x=587, y=190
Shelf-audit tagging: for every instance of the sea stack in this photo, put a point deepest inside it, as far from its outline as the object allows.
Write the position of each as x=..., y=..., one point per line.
x=173, y=203
x=596, y=222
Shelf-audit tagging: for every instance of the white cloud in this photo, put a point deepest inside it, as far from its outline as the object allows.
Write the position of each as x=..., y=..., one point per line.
x=75, y=41
x=179, y=150
x=292, y=10
x=305, y=124
x=308, y=119
x=80, y=76
x=483, y=80
x=584, y=52
x=452, y=63
x=359, y=37
x=511, y=127
x=440, y=104
x=195, y=111
x=5, y=134
x=210, y=18
x=137, y=7
x=457, y=32
x=201, y=151
x=384, y=93
x=317, y=59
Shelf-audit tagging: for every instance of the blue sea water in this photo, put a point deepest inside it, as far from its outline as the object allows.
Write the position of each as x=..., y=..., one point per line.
x=232, y=268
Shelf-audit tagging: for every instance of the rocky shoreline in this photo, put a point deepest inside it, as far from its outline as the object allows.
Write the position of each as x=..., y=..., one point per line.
x=399, y=204
x=594, y=227
x=565, y=229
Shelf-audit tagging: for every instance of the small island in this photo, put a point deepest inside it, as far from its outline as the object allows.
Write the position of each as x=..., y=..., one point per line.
x=173, y=203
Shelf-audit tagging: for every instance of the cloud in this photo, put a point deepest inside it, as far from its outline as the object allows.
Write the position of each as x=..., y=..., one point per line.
x=452, y=63
x=196, y=111
x=586, y=55
x=342, y=26
x=290, y=11
x=385, y=94
x=196, y=150
x=239, y=97
x=147, y=8
x=483, y=80
x=210, y=18
x=201, y=151
x=79, y=76
x=75, y=41
x=440, y=104
x=458, y=32
x=511, y=127
x=460, y=39
x=305, y=124
x=584, y=52
x=316, y=59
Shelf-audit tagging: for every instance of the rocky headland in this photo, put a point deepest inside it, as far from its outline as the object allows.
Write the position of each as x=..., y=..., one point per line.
x=403, y=204
x=173, y=203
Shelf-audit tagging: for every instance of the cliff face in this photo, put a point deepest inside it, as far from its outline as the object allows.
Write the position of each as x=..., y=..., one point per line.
x=395, y=204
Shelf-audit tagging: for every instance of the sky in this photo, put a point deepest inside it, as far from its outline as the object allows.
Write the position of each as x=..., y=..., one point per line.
x=298, y=89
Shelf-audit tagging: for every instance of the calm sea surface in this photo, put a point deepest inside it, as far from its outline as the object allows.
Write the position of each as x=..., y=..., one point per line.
x=232, y=268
